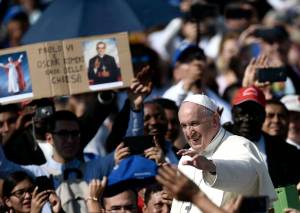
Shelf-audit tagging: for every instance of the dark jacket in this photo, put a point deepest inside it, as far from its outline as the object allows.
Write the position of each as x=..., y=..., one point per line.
x=107, y=63
x=283, y=161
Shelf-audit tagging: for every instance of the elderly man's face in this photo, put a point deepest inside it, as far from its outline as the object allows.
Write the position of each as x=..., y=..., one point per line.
x=198, y=124
x=101, y=49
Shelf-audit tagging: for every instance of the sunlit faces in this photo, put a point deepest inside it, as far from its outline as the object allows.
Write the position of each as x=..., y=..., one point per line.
x=20, y=197
x=276, y=121
x=123, y=202
x=156, y=204
x=155, y=122
x=198, y=124
x=7, y=125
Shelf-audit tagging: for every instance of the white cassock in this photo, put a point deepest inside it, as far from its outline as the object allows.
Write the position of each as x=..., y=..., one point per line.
x=13, y=86
x=240, y=169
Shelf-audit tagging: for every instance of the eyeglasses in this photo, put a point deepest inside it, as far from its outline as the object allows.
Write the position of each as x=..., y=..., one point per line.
x=21, y=193
x=116, y=209
x=67, y=133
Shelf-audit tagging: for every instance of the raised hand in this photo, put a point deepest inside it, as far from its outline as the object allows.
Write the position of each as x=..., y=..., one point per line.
x=179, y=186
x=155, y=153
x=121, y=152
x=38, y=200
x=197, y=160
x=96, y=189
x=184, y=189
x=249, y=78
x=140, y=87
x=54, y=201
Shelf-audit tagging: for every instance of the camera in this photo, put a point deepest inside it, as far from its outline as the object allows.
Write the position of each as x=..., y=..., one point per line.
x=43, y=112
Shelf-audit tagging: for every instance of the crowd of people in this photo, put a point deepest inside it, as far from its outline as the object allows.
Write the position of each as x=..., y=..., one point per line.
x=218, y=133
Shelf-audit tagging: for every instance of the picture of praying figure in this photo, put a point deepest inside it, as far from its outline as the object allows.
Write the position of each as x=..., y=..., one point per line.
x=16, y=82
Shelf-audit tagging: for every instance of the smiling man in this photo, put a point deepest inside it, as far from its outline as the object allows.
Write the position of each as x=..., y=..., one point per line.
x=155, y=124
x=220, y=163
x=277, y=119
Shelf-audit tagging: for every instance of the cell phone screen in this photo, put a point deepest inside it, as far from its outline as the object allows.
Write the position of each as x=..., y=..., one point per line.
x=43, y=183
x=272, y=74
x=138, y=144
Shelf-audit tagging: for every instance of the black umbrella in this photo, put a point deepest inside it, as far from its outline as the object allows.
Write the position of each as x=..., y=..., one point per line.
x=74, y=18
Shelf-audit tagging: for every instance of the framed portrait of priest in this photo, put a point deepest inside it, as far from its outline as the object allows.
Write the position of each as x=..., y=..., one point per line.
x=103, y=63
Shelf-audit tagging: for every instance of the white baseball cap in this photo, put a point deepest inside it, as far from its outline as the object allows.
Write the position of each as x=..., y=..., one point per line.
x=291, y=102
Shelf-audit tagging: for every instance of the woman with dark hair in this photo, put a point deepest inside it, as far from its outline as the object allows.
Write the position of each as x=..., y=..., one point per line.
x=21, y=195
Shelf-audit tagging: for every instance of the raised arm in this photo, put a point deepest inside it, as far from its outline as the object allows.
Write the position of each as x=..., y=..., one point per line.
x=20, y=58
x=140, y=88
x=3, y=65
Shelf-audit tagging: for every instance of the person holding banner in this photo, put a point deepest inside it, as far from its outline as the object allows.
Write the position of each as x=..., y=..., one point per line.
x=102, y=67
x=14, y=71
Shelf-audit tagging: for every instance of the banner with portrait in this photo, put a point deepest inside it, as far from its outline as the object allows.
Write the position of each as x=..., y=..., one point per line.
x=65, y=67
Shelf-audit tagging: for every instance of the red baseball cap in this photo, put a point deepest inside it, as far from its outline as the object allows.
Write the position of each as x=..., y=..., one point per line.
x=252, y=93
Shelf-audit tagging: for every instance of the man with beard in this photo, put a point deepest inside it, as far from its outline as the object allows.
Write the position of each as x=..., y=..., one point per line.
x=248, y=116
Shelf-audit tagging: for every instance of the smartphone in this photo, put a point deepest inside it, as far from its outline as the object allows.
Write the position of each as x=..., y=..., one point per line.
x=258, y=204
x=272, y=74
x=271, y=35
x=138, y=144
x=238, y=13
x=200, y=11
x=43, y=183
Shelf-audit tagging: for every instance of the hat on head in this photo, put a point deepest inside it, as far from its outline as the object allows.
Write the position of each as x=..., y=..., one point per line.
x=252, y=93
x=132, y=173
x=291, y=102
x=202, y=100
